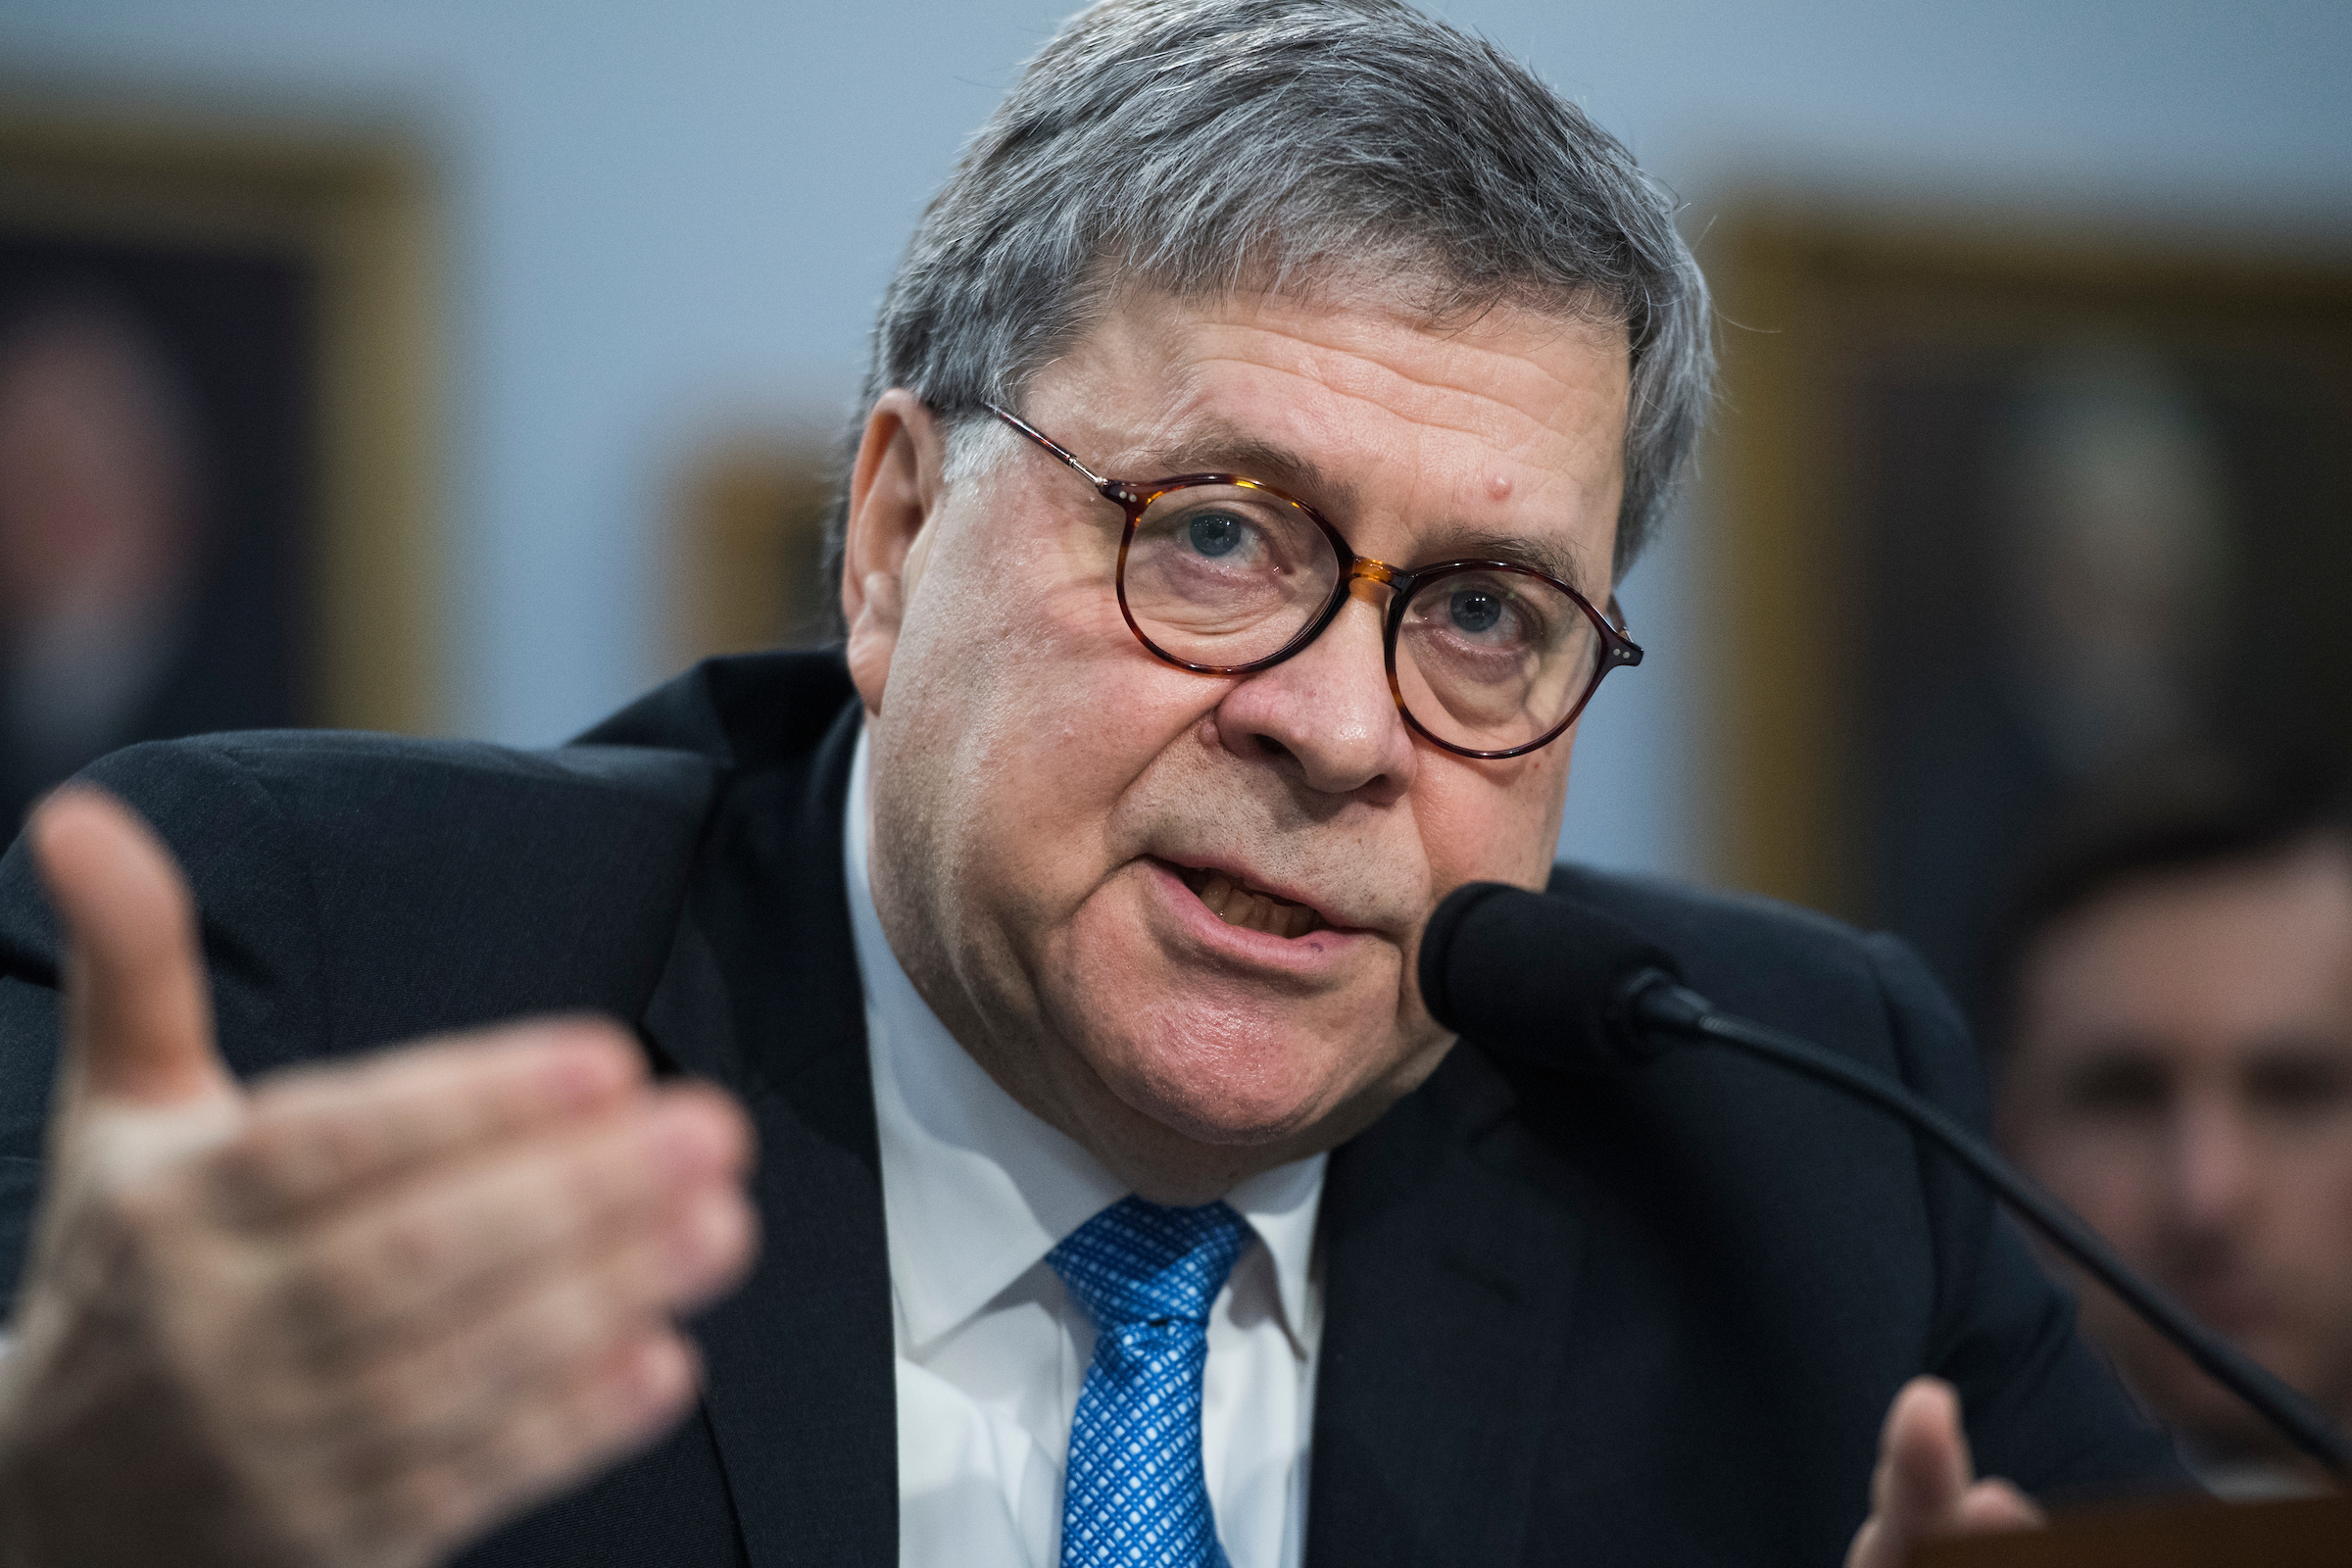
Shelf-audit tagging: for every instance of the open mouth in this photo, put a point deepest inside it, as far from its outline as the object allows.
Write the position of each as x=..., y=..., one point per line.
x=1237, y=903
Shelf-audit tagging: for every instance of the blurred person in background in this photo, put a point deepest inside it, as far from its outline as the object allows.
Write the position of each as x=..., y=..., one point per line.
x=2173, y=987
x=98, y=535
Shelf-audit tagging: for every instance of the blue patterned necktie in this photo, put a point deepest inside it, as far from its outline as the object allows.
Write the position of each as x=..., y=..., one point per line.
x=1138, y=1495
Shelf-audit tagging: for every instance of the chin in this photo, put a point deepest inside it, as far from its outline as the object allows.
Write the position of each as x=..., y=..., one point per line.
x=1235, y=1078
x=1221, y=1053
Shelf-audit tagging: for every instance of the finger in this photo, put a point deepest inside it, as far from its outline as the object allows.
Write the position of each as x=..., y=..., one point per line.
x=436, y=1398
x=605, y=1411
x=1989, y=1507
x=1924, y=1466
x=442, y=1248
x=138, y=1011
x=318, y=1134
x=1992, y=1506
x=1873, y=1549
x=1922, y=1477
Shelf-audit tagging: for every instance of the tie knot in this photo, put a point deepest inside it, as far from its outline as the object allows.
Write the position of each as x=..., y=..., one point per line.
x=1139, y=1262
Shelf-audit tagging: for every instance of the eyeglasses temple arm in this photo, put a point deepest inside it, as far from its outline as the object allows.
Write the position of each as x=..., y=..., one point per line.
x=1051, y=445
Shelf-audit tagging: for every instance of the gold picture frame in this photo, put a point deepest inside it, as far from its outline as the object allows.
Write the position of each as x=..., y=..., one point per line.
x=359, y=208
x=745, y=541
x=1816, y=301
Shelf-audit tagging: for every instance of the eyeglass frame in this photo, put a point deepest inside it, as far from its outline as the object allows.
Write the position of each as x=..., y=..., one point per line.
x=1135, y=497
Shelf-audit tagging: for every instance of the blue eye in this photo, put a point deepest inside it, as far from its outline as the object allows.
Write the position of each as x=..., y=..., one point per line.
x=1215, y=533
x=1474, y=610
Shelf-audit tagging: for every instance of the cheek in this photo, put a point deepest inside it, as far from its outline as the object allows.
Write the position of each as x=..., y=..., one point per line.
x=1016, y=724
x=1055, y=737
x=2313, y=1204
x=2113, y=1178
x=1487, y=821
x=1019, y=688
x=996, y=631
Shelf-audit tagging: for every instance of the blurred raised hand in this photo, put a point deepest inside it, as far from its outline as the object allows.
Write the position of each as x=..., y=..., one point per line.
x=350, y=1314
x=1926, y=1483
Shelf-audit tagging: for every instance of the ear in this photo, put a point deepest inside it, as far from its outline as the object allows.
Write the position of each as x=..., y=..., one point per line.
x=895, y=488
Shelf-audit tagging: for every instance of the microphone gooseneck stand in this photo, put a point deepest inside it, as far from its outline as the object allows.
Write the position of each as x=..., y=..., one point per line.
x=1652, y=999
x=1552, y=981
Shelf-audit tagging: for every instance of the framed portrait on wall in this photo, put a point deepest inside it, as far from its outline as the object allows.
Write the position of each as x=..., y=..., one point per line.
x=217, y=494
x=745, y=541
x=2001, y=507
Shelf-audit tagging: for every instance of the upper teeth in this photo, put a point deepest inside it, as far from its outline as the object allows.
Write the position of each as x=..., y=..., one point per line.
x=1237, y=904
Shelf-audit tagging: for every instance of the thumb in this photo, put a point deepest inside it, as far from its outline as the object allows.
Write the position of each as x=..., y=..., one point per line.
x=1925, y=1468
x=138, y=1010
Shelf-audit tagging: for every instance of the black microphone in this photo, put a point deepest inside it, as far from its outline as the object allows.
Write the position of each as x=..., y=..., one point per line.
x=1549, y=982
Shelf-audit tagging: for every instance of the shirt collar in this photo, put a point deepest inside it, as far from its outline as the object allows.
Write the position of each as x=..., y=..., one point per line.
x=975, y=1188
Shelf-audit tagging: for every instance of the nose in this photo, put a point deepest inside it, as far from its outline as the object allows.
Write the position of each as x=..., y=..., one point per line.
x=1327, y=710
x=2211, y=1165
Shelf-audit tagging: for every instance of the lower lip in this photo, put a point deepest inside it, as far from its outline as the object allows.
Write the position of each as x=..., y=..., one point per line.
x=1316, y=953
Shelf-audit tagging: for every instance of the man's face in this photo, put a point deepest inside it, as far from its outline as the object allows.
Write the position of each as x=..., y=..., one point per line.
x=2183, y=1079
x=1051, y=801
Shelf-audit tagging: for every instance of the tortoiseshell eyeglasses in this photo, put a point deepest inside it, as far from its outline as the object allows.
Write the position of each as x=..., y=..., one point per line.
x=1227, y=575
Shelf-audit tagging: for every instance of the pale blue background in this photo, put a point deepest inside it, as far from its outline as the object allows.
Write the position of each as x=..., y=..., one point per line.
x=669, y=217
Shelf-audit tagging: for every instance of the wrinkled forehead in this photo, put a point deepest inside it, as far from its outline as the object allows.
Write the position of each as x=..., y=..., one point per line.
x=1506, y=424
x=1512, y=367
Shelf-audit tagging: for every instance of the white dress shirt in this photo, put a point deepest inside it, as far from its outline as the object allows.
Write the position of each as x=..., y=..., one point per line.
x=992, y=1350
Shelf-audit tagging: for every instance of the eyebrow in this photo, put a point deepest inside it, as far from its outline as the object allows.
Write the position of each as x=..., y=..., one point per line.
x=1551, y=557
x=1216, y=447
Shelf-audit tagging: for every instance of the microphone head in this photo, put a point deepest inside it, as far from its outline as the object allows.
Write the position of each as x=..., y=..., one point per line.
x=1538, y=978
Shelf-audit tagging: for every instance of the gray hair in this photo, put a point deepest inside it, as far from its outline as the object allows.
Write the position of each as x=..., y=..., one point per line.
x=1201, y=147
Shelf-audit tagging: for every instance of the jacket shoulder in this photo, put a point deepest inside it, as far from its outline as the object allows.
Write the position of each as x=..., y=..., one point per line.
x=402, y=885
x=1667, y=905
x=1790, y=966
x=355, y=889
x=1864, y=993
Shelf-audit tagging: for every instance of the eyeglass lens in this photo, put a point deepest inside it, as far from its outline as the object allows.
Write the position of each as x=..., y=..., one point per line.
x=1225, y=575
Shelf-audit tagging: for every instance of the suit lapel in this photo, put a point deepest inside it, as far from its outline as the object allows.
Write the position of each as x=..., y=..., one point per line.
x=1450, y=1272
x=760, y=994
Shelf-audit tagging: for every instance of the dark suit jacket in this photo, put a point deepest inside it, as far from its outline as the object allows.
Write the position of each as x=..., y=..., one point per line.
x=1653, y=1320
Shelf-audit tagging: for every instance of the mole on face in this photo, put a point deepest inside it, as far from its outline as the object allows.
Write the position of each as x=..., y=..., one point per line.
x=1500, y=487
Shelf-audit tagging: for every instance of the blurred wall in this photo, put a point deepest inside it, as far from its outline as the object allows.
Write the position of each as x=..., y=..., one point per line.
x=672, y=218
